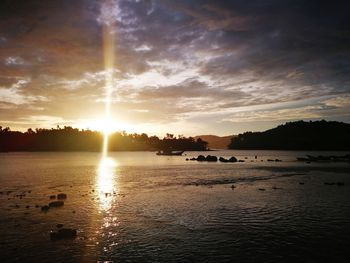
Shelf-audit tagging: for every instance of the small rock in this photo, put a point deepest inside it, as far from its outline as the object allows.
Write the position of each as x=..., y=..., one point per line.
x=187, y=159
x=340, y=184
x=52, y=196
x=27, y=206
x=261, y=189
x=301, y=183
x=59, y=225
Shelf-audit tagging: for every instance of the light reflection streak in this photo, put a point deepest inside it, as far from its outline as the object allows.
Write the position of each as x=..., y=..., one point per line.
x=106, y=183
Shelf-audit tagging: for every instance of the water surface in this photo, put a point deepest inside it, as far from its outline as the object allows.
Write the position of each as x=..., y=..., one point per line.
x=137, y=206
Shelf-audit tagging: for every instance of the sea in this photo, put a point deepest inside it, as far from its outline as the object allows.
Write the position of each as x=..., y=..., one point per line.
x=140, y=207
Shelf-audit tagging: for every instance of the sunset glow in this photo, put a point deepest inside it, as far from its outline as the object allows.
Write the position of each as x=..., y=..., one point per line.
x=174, y=131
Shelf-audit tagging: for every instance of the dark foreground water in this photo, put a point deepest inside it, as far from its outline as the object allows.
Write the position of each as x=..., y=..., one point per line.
x=139, y=207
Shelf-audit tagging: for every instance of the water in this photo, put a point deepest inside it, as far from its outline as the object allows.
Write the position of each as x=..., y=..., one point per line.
x=141, y=207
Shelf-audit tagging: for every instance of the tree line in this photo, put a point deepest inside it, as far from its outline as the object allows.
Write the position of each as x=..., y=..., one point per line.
x=73, y=139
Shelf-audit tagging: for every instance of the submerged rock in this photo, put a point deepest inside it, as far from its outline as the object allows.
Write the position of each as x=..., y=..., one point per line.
x=62, y=196
x=63, y=233
x=52, y=196
x=56, y=204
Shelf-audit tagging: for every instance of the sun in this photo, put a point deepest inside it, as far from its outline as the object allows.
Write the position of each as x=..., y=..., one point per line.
x=107, y=126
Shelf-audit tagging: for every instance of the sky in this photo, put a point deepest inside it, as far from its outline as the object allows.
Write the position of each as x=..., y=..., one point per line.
x=183, y=67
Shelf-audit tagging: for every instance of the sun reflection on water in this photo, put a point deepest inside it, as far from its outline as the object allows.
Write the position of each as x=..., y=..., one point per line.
x=106, y=182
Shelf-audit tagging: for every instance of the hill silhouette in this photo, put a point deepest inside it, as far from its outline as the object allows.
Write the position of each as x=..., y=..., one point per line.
x=299, y=135
x=72, y=139
x=216, y=142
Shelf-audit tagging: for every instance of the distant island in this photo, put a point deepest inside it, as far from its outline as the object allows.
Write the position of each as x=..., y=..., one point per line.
x=299, y=135
x=68, y=139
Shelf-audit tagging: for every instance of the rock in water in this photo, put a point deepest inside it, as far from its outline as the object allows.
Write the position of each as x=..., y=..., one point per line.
x=201, y=158
x=56, y=204
x=63, y=233
x=211, y=158
x=232, y=159
x=223, y=160
x=62, y=196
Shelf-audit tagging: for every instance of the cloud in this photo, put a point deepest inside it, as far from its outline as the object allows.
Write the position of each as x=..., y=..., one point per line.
x=196, y=61
x=14, y=95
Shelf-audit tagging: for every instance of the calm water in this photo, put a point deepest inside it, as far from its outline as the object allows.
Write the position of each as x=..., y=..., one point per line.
x=139, y=207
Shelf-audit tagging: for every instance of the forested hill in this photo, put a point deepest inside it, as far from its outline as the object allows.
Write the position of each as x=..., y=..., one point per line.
x=299, y=135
